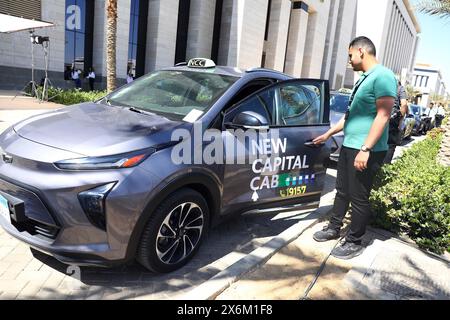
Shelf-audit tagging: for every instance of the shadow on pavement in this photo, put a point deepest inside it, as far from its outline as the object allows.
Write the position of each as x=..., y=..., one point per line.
x=239, y=235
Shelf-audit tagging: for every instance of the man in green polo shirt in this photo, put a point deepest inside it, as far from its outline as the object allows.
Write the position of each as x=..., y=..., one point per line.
x=365, y=145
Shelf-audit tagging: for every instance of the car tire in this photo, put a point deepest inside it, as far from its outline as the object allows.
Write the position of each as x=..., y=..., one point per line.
x=169, y=240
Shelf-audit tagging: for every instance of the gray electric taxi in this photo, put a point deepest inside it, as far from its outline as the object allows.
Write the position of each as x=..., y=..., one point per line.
x=145, y=172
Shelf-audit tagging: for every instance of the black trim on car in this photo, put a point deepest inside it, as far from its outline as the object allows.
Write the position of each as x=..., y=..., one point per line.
x=37, y=193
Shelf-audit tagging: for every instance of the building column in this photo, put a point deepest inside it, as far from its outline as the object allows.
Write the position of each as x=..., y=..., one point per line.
x=413, y=54
x=296, y=40
x=315, y=39
x=201, y=23
x=278, y=34
x=242, y=33
x=100, y=25
x=333, y=18
x=161, y=34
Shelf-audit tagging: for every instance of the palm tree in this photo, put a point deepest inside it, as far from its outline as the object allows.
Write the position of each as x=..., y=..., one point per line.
x=435, y=7
x=412, y=93
x=111, y=35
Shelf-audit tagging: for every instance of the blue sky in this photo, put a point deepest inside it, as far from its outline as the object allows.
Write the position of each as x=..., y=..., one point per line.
x=434, y=45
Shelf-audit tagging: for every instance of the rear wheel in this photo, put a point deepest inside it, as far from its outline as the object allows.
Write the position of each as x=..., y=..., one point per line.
x=174, y=232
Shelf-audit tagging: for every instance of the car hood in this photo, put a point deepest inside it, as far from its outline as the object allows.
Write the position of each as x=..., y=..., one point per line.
x=93, y=129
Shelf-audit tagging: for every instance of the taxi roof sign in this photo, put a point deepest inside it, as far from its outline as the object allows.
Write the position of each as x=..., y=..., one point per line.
x=201, y=63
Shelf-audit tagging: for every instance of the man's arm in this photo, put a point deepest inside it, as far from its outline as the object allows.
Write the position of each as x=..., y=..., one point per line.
x=384, y=107
x=338, y=127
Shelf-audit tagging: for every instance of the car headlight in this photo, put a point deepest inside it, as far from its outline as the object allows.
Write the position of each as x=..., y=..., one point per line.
x=123, y=160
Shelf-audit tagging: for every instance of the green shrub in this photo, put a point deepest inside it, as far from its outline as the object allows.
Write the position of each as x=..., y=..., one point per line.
x=72, y=96
x=412, y=196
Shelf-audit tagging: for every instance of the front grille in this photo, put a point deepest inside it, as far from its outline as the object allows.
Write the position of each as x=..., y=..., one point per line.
x=37, y=220
x=36, y=228
x=35, y=209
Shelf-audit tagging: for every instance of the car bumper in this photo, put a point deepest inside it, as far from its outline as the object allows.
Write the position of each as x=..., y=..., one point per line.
x=55, y=222
x=86, y=255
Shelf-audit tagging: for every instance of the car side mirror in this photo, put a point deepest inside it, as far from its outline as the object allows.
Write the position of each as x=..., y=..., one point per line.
x=248, y=120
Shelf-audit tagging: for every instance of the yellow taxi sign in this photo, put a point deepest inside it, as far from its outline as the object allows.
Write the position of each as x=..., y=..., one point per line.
x=201, y=63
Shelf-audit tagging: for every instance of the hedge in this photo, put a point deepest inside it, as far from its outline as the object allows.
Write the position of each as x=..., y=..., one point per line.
x=72, y=96
x=412, y=196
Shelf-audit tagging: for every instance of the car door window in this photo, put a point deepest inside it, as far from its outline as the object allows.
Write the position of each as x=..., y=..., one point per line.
x=289, y=103
x=262, y=103
x=299, y=104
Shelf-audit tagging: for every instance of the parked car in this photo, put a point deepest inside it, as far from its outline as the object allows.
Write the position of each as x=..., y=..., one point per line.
x=338, y=106
x=407, y=125
x=119, y=179
x=422, y=121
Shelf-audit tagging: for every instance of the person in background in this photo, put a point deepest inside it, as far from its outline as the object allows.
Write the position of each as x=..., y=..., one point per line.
x=67, y=73
x=76, y=78
x=398, y=113
x=130, y=76
x=431, y=112
x=364, y=147
x=91, y=78
x=440, y=115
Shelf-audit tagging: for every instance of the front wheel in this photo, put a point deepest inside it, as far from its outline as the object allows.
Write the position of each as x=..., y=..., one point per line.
x=174, y=232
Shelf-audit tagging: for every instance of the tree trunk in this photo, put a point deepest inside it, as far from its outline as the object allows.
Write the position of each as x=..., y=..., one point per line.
x=111, y=35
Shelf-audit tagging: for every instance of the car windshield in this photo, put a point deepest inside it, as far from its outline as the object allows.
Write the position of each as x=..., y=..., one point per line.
x=173, y=93
x=339, y=102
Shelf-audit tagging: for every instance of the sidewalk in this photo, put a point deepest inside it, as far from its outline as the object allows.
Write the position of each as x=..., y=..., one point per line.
x=9, y=101
x=389, y=268
x=13, y=109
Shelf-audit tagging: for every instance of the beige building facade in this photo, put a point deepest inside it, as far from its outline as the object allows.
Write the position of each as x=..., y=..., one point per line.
x=306, y=39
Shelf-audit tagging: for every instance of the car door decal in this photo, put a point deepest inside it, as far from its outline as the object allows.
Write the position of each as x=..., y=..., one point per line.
x=267, y=167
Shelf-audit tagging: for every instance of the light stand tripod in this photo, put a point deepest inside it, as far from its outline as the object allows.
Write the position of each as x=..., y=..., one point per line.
x=47, y=83
x=32, y=91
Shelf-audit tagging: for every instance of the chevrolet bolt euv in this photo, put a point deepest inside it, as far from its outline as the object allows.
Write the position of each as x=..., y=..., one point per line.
x=145, y=172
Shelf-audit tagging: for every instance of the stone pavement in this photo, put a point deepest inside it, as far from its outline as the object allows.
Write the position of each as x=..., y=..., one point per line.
x=24, y=276
x=389, y=269
x=13, y=109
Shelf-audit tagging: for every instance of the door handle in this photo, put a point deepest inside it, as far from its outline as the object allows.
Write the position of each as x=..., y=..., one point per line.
x=313, y=145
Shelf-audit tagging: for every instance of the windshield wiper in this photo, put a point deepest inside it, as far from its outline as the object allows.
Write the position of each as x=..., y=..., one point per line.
x=140, y=111
x=111, y=103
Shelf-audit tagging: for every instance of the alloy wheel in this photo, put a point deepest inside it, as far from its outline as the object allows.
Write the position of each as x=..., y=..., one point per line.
x=179, y=233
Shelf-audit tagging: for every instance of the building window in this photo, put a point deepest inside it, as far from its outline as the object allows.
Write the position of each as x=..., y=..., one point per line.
x=78, y=34
x=269, y=7
x=137, y=38
x=182, y=30
x=133, y=38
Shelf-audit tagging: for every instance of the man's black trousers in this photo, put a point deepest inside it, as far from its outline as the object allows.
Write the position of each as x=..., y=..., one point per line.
x=354, y=187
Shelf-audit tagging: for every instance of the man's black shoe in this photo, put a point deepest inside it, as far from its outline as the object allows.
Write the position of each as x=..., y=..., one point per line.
x=326, y=234
x=347, y=250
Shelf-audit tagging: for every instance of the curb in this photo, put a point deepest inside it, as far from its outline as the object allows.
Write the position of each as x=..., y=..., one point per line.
x=211, y=288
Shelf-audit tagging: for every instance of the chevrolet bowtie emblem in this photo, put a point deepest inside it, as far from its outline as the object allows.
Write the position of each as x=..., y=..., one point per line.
x=7, y=158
